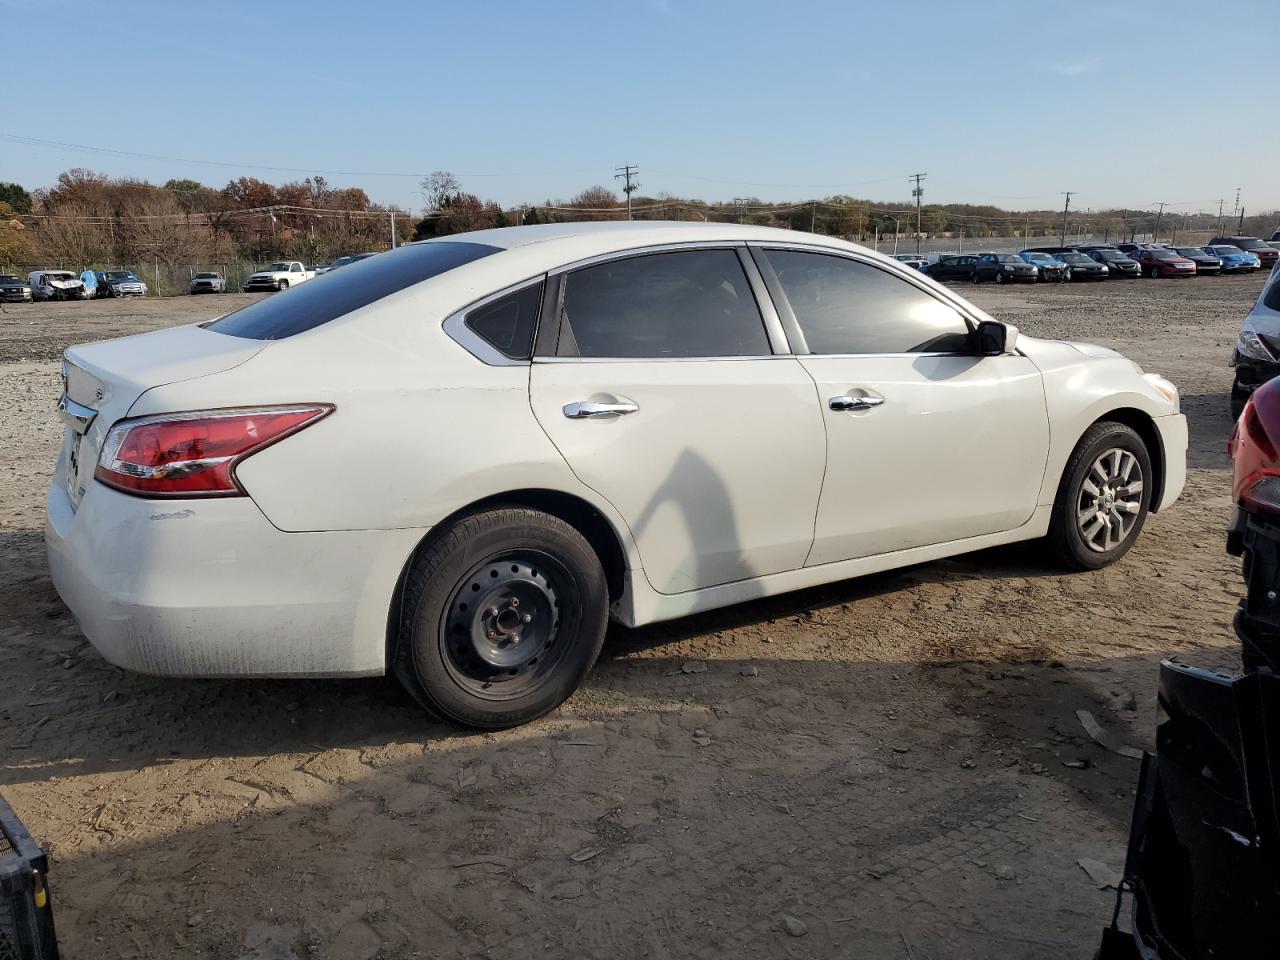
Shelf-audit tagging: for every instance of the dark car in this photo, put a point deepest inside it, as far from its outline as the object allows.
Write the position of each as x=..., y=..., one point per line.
x=14, y=289
x=954, y=268
x=1082, y=266
x=1003, y=268
x=1162, y=262
x=1205, y=261
x=345, y=261
x=1263, y=251
x=1119, y=264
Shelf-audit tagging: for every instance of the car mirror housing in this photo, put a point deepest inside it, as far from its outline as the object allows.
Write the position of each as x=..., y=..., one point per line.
x=992, y=338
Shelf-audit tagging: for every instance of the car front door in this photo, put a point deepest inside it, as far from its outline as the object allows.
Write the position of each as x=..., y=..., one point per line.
x=668, y=392
x=927, y=442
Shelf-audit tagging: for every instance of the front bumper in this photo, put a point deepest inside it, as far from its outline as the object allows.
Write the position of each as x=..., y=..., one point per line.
x=15, y=296
x=209, y=588
x=1173, y=439
x=1251, y=373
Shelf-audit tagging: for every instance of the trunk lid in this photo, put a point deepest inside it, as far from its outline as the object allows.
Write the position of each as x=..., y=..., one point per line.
x=101, y=381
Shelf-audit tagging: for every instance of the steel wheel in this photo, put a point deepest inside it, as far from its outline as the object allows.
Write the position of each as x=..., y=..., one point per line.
x=500, y=629
x=1000, y=277
x=1110, y=500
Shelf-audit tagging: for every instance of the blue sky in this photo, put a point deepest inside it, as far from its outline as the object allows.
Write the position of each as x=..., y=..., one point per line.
x=1000, y=102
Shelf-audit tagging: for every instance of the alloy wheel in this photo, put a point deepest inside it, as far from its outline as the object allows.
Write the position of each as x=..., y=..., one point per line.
x=1110, y=500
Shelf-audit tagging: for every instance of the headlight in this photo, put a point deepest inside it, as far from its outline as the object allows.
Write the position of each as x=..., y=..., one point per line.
x=1163, y=387
x=1252, y=346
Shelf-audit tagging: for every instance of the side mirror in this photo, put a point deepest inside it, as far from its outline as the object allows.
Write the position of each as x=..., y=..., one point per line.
x=992, y=338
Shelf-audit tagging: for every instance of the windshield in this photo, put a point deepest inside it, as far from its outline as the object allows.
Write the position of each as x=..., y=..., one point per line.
x=334, y=295
x=118, y=275
x=1008, y=258
x=1226, y=251
x=1038, y=257
x=341, y=261
x=1250, y=243
x=277, y=267
x=1190, y=252
x=1164, y=255
x=206, y=276
x=1112, y=255
x=58, y=276
x=8, y=278
x=1074, y=258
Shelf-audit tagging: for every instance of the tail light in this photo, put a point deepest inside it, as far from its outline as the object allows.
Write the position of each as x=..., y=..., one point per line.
x=1255, y=451
x=195, y=454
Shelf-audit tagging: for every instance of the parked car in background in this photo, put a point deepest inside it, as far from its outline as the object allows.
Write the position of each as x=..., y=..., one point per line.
x=1275, y=237
x=483, y=574
x=210, y=282
x=913, y=260
x=120, y=283
x=1048, y=267
x=953, y=268
x=14, y=289
x=1266, y=254
x=1233, y=259
x=1082, y=267
x=1004, y=268
x=1160, y=262
x=280, y=275
x=1206, y=262
x=344, y=261
x=1118, y=264
x=56, y=285
x=90, y=280
x=1256, y=358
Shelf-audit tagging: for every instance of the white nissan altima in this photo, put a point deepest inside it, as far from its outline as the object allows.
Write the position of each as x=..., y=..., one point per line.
x=458, y=459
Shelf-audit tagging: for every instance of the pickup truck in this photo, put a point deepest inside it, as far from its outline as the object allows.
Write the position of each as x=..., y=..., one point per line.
x=278, y=276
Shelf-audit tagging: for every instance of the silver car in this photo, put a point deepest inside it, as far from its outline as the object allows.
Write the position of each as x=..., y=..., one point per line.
x=208, y=283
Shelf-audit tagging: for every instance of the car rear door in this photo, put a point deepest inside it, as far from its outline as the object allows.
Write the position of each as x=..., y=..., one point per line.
x=926, y=441
x=665, y=386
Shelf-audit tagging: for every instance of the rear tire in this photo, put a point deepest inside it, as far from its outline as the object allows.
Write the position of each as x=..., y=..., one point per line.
x=1097, y=515
x=467, y=653
x=1000, y=277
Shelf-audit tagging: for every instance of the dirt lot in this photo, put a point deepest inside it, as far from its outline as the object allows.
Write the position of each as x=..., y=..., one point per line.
x=894, y=762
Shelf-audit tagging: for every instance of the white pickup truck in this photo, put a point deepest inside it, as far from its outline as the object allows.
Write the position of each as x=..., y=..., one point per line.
x=280, y=275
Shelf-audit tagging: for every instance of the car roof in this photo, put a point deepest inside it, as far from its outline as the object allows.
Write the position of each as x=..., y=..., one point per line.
x=615, y=235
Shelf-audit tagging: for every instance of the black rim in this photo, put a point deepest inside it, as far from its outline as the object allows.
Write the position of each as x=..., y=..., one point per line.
x=503, y=635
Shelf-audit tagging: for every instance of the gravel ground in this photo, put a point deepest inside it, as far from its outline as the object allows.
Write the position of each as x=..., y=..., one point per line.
x=886, y=767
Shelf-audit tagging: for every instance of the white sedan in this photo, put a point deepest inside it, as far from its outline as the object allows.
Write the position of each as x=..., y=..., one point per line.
x=458, y=459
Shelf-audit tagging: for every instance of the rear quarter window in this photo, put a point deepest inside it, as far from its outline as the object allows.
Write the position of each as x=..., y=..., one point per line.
x=335, y=294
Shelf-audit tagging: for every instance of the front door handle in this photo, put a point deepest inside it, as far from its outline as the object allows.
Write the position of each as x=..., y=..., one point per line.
x=594, y=410
x=847, y=402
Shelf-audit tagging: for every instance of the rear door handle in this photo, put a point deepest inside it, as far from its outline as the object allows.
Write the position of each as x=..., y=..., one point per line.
x=594, y=410
x=847, y=402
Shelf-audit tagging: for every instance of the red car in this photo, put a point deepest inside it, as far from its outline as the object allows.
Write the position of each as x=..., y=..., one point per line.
x=1263, y=251
x=1161, y=262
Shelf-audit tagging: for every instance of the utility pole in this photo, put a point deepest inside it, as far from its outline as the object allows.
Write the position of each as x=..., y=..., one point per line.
x=393, y=228
x=1065, y=207
x=628, y=171
x=1240, y=225
x=1159, y=213
x=1026, y=231
x=813, y=217
x=918, y=193
x=1220, y=203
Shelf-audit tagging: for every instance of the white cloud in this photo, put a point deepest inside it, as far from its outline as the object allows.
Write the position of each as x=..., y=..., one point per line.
x=1075, y=67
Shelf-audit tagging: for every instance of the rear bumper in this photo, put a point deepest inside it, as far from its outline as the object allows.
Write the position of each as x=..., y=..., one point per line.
x=209, y=588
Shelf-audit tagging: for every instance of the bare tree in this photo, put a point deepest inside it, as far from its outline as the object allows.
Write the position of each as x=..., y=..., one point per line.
x=437, y=188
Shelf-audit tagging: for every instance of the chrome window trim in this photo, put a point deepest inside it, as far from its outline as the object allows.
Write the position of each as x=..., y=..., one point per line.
x=894, y=268
x=455, y=325
x=767, y=356
x=644, y=250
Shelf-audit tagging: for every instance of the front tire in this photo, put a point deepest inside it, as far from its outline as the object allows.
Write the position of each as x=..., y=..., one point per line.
x=503, y=617
x=282, y=285
x=1103, y=498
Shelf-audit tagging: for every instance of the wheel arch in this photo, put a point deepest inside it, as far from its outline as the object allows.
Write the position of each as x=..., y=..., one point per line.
x=598, y=530
x=1145, y=427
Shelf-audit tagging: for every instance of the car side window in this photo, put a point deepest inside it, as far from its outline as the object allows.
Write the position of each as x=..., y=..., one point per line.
x=508, y=324
x=845, y=306
x=692, y=303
